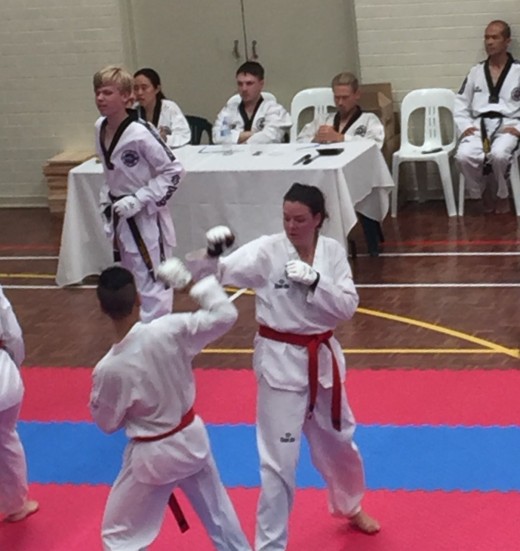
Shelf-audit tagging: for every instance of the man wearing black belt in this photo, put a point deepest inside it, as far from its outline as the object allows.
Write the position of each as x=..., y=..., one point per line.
x=487, y=115
x=145, y=385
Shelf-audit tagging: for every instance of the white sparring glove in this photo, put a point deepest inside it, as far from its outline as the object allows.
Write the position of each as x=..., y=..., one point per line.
x=208, y=292
x=219, y=239
x=128, y=206
x=174, y=273
x=301, y=272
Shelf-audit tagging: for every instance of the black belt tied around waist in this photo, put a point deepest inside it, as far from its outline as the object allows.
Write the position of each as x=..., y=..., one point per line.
x=486, y=139
x=139, y=241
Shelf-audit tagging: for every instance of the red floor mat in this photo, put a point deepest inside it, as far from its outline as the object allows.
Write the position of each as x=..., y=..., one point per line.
x=402, y=397
x=412, y=521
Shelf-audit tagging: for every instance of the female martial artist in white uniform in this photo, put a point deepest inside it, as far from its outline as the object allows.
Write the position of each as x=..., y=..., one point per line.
x=14, y=504
x=145, y=384
x=304, y=288
x=163, y=113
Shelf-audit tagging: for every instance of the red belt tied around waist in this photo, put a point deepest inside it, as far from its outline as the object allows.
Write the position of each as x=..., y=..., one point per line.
x=312, y=343
x=186, y=419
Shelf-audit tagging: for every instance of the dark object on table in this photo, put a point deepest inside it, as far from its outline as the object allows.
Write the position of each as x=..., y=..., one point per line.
x=330, y=151
x=198, y=126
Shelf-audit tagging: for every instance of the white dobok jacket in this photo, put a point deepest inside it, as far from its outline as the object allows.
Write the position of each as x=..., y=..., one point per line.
x=12, y=353
x=138, y=162
x=477, y=97
x=169, y=115
x=366, y=126
x=269, y=125
x=287, y=306
x=145, y=384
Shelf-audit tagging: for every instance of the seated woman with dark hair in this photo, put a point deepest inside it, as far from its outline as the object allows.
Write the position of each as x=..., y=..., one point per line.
x=163, y=113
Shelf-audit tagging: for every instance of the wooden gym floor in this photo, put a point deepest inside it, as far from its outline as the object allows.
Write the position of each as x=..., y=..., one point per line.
x=444, y=294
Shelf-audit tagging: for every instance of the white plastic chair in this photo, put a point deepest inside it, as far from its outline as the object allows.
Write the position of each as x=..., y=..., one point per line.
x=266, y=95
x=432, y=148
x=514, y=179
x=318, y=98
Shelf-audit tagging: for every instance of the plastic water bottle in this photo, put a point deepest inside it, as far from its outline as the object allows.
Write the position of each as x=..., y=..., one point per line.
x=225, y=134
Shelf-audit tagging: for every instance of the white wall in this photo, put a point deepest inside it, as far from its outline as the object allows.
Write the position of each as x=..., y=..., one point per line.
x=49, y=51
x=51, y=48
x=426, y=43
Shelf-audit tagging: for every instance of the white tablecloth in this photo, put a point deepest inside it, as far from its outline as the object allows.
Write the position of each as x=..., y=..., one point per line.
x=242, y=190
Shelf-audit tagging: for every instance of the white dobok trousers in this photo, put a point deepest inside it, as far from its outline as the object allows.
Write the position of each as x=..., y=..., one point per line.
x=281, y=418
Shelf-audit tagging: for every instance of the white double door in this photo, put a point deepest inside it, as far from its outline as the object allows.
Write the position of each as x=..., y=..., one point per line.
x=197, y=45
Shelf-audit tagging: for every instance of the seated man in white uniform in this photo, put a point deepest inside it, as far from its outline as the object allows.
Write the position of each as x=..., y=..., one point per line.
x=349, y=122
x=250, y=117
x=487, y=115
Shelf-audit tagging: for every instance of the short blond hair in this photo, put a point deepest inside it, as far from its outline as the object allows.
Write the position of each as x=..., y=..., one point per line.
x=116, y=75
x=346, y=79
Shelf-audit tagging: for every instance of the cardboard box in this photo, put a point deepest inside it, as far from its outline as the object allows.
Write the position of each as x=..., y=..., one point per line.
x=390, y=146
x=56, y=171
x=384, y=87
x=377, y=99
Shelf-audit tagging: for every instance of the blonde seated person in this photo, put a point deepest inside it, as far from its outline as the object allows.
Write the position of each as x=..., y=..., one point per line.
x=163, y=113
x=349, y=122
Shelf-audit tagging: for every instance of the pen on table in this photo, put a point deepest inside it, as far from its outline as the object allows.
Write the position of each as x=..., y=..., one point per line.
x=311, y=146
x=302, y=159
x=310, y=159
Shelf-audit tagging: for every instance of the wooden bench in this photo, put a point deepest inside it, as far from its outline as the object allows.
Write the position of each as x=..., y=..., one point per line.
x=56, y=171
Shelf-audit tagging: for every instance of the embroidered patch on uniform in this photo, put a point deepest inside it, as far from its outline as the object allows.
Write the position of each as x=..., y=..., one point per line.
x=261, y=123
x=515, y=94
x=281, y=284
x=172, y=188
x=288, y=438
x=129, y=157
x=360, y=130
x=477, y=89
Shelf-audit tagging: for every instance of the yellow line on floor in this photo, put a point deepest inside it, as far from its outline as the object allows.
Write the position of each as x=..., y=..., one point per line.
x=29, y=276
x=488, y=346
x=497, y=348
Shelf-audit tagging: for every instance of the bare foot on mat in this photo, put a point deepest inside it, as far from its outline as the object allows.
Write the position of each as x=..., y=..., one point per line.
x=29, y=508
x=365, y=523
